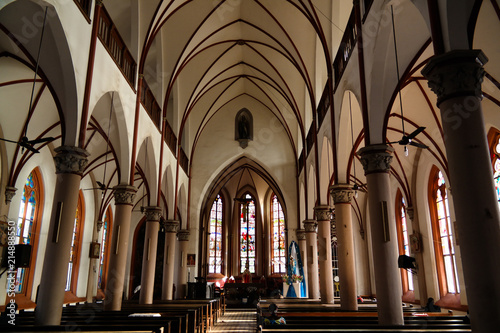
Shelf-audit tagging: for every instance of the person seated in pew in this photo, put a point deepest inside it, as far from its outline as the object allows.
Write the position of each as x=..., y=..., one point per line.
x=431, y=307
x=271, y=317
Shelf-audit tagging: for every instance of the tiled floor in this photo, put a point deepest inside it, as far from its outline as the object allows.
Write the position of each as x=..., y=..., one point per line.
x=235, y=320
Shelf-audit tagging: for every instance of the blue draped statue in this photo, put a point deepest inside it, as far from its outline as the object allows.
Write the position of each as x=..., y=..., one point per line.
x=295, y=268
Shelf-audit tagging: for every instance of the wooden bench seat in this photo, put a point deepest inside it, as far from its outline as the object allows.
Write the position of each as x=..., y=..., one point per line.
x=143, y=328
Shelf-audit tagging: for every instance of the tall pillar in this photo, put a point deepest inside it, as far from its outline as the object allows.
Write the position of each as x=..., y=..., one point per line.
x=342, y=196
x=456, y=78
x=323, y=216
x=310, y=227
x=301, y=237
x=376, y=160
x=70, y=163
x=149, y=254
x=183, y=237
x=94, y=264
x=169, y=259
x=124, y=199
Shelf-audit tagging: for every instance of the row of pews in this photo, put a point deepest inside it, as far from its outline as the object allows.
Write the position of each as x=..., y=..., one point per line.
x=177, y=316
x=312, y=316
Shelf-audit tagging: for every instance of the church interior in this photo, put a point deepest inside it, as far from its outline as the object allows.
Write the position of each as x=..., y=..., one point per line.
x=325, y=156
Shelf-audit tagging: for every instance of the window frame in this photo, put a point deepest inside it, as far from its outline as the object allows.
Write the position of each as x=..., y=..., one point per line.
x=240, y=205
x=438, y=248
x=271, y=234
x=405, y=275
x=80, y=220
x=222, y=245
x=104, y=251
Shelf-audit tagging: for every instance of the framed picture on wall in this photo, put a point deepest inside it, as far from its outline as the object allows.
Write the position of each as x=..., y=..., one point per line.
x=95, y=249
x=191, y=259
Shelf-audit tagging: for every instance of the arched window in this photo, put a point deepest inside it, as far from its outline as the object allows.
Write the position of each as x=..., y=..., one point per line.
x=27, y=228
x=215, y=237
x=278, y=256
x=72, y=276
x=247, y=234
x=494, y=140
x=443, y=234
x=403, y=240
x=335, y=257
x=104, y=255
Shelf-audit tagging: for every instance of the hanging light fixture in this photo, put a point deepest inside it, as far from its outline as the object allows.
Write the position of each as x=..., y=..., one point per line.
x=355, y=186
x=406, y=139
x=24, y=142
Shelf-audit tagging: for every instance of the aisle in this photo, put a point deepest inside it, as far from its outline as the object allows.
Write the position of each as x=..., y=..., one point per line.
x=237, y=320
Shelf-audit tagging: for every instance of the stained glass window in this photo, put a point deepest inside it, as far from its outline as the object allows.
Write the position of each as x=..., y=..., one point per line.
x=106, y=232
x=445, y=233
x=247, y=234
x=405, y=241
x=215, y=237
x=496, y=169
x=75, y=246
x=278, y=257
x=26, y=223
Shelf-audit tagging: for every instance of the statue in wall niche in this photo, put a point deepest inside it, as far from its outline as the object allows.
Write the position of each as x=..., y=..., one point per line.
x=243, y=127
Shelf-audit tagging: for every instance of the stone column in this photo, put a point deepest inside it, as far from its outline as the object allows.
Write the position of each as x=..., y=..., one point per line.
x=456, y=78
x=94, y=264
x=323, y=215
x=376, y=160
x=153, y=214
x=183, y=237
x=301, y=237
x=124, y=199
x=310, y=227
x=342, y=196
x=70, y=163
x=171, y=227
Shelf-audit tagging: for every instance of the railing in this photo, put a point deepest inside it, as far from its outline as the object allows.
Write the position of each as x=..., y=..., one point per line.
x=149, y=102
x=345, y=49
x=85, y=6
x=110, y=37
x=324, y=105
x=368, y=4
x=184, y=161
x=310, y=139
x=169, y=138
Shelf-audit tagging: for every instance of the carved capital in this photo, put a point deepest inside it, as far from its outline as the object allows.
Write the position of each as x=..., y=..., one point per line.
x=99, y=225
x=376, y=158
x=10, y=192
x=457, y=73
x=341, y=193
x=301, y=234
x=323, y=213
x=183, y=235
x=310, y=226
x=152, y=213
x=410, y=212
x=124, y=194
x=171, y=225
x=70, y=159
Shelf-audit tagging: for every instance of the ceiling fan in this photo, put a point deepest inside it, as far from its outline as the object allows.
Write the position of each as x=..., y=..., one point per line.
x=29, y=144
x=24, y=142
x=406, y=139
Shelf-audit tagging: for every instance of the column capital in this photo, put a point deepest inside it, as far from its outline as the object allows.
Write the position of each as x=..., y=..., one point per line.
x=376, y=158
x=10, y=192
x=323, y=213
x=310, y=226
x=457, y=73
x=152, y=213
x=301, y=234
x=341, y=193
x=70, y=159
x=183, y=235
x=124, y=194
x=171, y=225
x=410, y=212
x=99, y=224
